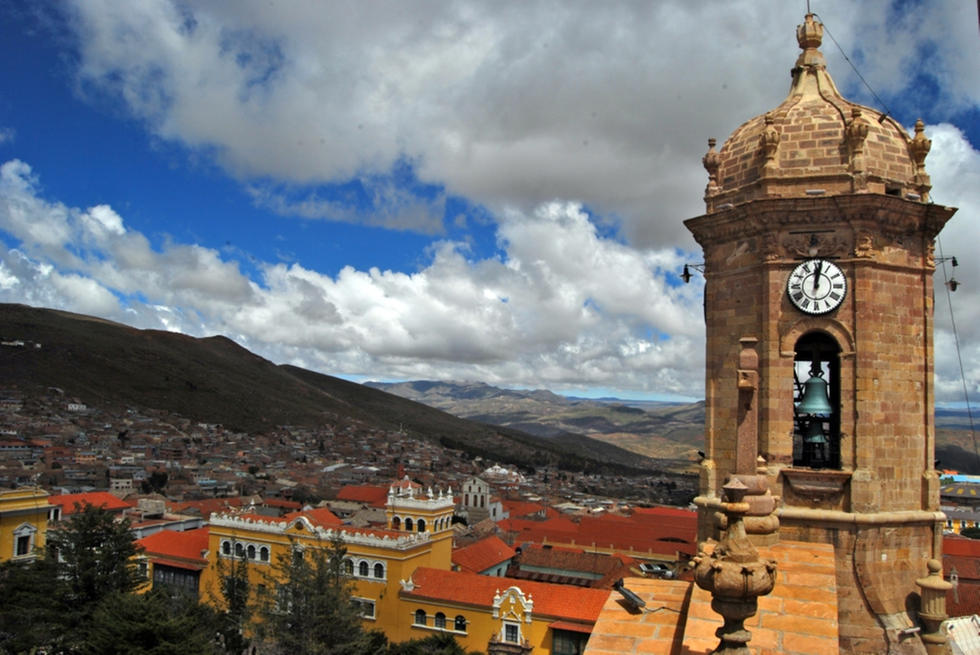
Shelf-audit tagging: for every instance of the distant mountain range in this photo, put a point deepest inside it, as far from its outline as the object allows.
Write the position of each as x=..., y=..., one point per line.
x=214, y=380
x=655, y=429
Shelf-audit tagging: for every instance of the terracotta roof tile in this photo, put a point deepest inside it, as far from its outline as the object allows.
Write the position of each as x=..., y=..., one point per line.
x=206, y=507
x=372, y=495
x=482, y=555
x=550, y=600
x=177, y=548
x=678, y=618
x=101, y=499
x=320, y=517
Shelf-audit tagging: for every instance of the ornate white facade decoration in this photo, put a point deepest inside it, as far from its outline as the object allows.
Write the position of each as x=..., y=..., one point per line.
x=513, y=605
x=393, y=541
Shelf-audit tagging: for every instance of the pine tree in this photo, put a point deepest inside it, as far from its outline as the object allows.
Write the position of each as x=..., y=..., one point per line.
x=95, y=554
x=308, y=609
x=151, y=624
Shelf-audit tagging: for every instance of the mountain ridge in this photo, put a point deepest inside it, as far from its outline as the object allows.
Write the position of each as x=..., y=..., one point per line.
x=215, y=380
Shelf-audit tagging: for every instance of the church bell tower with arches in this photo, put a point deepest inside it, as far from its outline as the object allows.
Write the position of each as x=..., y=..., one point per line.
x=818, y=262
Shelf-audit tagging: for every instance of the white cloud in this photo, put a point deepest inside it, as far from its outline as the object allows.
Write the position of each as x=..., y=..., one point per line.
x=508, y=104
x=578, y=309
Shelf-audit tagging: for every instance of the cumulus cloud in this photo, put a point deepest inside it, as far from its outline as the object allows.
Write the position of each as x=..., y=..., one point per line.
x=579, y=309
x=579, y=129
x=505, y=103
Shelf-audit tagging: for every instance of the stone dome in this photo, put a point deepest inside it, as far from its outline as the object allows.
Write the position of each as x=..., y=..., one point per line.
x=816, y=143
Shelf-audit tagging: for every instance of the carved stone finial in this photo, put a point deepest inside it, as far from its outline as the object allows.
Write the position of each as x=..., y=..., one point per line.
x=711, y=163
x=920, y=146
x=933, y=611
x=769, y=142
x=918, y=149
x=734, y=574
x=856, y=134
x=810, y=34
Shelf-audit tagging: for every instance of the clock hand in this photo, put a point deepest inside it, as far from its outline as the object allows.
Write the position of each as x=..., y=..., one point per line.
x=816, y=275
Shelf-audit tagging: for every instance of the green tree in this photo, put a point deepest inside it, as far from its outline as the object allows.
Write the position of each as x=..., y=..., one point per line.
x=234, y=593
x=151, y=624
x=95, y=554
x=439, y=644
x=32, y=610
x=972, y=533
x=308, y=609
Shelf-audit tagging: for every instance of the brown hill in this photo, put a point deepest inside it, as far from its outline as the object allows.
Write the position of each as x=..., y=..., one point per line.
x=214, y=380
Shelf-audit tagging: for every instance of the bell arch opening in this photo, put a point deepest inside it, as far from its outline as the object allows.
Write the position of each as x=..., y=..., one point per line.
x=816, y=401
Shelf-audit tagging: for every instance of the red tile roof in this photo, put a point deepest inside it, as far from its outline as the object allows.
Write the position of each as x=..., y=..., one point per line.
x=206, y=507
x=550, y=600
x=961, y=546
x=179, y=549
x=962, y=555
x=664, y=531
x=101, y=499
x=520, y=508
x=320, y=517
x=370, y=494
x=571, y=566
x=482, y=555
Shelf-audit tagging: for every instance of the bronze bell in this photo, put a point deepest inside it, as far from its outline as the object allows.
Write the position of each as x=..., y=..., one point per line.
x=815, y=434
x=815, y=401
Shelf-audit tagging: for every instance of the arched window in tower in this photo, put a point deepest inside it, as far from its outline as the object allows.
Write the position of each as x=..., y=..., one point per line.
x=421, y=525
x=363, y=569
x=408, y=524
x=396, y=523
x=816, y=402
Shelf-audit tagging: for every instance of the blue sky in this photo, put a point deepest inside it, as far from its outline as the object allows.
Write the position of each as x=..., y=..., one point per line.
x=419, y=190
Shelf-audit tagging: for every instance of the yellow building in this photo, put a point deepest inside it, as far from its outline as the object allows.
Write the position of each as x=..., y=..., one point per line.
x=419, y=534
x=23, y=523
x=403, y=580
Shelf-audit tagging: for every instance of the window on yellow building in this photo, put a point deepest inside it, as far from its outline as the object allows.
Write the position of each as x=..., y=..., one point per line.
x=440, y=621
x=24, y=540
x=264, y=554
x=362, y=569
x=251, y=551
x=421, y=525
x=512, y=633
x=408, y=524
x=349, y=567
x=419, y=617
x=459, y=625
x=564, y=642
x=239, y=550
x=365, y=607
x=226, y=548
x=379, y=570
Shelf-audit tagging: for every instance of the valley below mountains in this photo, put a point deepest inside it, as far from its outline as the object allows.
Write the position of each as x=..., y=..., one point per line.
x=661, y=430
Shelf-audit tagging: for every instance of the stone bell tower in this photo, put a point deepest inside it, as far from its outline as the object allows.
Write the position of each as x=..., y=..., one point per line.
x=818, y=260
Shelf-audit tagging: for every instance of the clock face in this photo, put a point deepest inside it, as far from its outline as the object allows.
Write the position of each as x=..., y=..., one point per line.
x=816, y=286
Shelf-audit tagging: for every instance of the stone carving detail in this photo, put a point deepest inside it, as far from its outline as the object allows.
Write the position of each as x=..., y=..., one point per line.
x=815, y=245
x=919, y=148
x=711, y=162
x=769, y=141
x=734, y=574
x=857, y=132
x=865, y=245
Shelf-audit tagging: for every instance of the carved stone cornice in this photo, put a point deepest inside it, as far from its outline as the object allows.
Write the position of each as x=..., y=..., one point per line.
x=855, y=225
